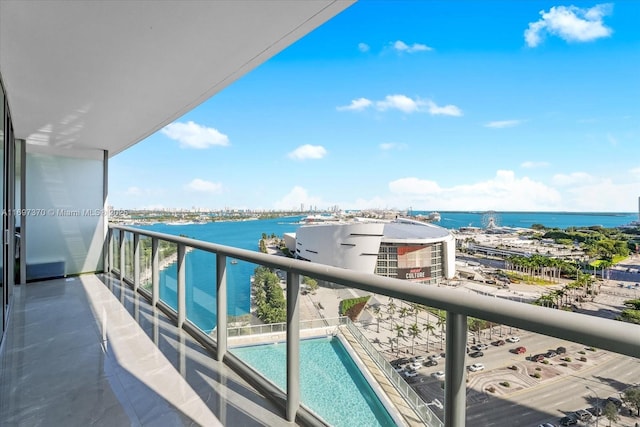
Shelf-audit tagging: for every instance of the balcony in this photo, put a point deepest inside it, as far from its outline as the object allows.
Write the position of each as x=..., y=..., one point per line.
x=74, y=345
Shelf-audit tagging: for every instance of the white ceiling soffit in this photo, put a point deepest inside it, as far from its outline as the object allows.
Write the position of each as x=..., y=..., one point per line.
x=106, y=74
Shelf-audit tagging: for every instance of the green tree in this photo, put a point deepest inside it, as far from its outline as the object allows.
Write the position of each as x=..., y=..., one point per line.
x=632, y=397
x=428, y=328
x=610, y=412
x=311, y=283
x=399, y=334
x=404, y=312
x=378, y=313
x=414, y=332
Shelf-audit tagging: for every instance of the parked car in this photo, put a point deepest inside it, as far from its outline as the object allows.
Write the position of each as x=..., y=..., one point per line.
x=431, y=363
x=537, y=358
x=551, y=353
x=596, y=411
x=418, y=359
x=513, y=339
x=398, y=369
x=615, y=401
x=499, y=343
x=410, y=373
x=475, y=367
x=476, y=354
x=414, y=366
x=438, y=375
x=401, y=361
x=561, y=350
x=519, y=350
x=569, y=420
x=435, y=357
x=546, y=425
x=583, y=415
x=480, y=346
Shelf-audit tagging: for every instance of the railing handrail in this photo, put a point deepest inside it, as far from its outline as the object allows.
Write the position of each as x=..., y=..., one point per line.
x=619, y=337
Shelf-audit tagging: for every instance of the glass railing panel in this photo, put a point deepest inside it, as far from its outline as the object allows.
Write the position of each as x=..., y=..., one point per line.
x=257, y=319
x=146, y=263
x=115, y=250
x=128, y=256
x=201, y=289
x=168, y=273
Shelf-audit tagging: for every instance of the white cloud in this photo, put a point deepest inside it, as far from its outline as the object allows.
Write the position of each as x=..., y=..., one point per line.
x=308, y=151
x=201, y=186
x=399, y=102
x=502, y=193
x=534, y=165
x=356, y=105
x=502, y=124
x=403, y=103
x=413, y=186
x=363, y=47
x=297, y=196
x=635, y=173
x=401, y=46
x=447, y=110
x=192, y=135
x=612, y=139
x=574, y=178
x=386, y=146
x=570, y=23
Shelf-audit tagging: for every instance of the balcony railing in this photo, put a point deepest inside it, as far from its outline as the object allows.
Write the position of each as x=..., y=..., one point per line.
x=618, y=337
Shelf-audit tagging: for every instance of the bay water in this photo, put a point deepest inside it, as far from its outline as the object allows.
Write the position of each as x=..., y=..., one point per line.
x=201, y=266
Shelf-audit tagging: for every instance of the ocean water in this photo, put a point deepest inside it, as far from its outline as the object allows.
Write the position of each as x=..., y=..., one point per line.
x=201, y=271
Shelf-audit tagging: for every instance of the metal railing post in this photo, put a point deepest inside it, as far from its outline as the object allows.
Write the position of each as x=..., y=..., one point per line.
x=455, y=391
x=182, y=306
x=136, y=262
x=108, y=259
x=121, y=249
x=293, y=345
x=221, y=304
x=155, y=272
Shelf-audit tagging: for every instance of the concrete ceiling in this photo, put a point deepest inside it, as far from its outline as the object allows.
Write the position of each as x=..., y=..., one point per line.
x=106, y=74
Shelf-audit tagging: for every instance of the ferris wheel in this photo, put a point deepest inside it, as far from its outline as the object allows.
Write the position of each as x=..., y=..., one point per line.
x=490, y=219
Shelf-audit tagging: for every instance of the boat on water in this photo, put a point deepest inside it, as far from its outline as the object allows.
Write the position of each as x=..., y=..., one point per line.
x=234, y=261
x=432, y=217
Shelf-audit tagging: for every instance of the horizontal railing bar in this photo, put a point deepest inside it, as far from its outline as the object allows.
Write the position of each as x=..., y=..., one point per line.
x=607, y=334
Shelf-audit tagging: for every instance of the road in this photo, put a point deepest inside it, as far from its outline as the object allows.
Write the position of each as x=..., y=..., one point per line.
x=530, y=401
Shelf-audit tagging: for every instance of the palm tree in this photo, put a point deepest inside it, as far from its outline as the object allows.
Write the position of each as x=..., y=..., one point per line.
x=414, y=332
x=442, y=321
x=416, y=308
x=400, y=334
x=391, y=308
x=404, y=311
x=378, y=313
x=428, y=328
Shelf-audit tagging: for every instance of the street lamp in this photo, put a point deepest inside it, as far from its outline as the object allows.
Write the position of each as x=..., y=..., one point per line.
x=597, y=402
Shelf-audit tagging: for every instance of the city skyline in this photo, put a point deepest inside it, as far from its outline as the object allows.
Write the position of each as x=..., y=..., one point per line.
x=430, y=105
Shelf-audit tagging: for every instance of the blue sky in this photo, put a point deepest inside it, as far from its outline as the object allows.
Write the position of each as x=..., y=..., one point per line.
x=459, y=105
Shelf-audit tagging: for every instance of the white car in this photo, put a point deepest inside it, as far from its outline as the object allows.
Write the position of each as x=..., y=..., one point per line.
x=435, y=357
x=418, y=359
x=398, y=369
x=513, y=339
x=475, y=367
x=410, y=374
x=438, y=375
x=414, y=366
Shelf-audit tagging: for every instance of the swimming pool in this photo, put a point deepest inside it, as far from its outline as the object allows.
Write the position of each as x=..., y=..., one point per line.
x=331, y=384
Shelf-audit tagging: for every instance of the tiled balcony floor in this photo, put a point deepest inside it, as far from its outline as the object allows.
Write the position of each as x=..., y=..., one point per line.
x=86, y=351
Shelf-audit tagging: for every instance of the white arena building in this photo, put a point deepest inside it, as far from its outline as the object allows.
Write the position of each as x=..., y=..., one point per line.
x=400, y=248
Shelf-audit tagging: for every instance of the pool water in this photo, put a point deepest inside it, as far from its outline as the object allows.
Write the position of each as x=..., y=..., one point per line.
x=331, y=384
